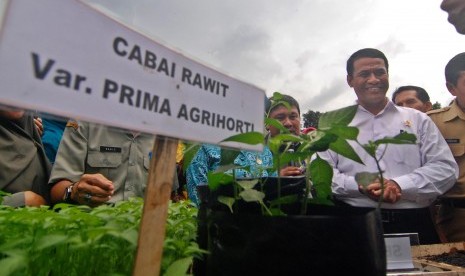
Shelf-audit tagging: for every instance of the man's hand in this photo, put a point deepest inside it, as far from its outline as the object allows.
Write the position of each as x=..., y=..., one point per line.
x=39, y=125
x=390, y=191
x=291, y=171
x=92, y=190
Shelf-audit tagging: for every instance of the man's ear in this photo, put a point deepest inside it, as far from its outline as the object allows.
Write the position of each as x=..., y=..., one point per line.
x=451, y=88
x=428, y=105
x=349, y=80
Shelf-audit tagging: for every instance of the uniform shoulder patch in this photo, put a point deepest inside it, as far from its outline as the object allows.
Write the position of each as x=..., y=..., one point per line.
x=438, y=110
x=72, y=123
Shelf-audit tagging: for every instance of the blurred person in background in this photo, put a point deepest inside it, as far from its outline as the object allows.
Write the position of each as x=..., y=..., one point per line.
x=24, y=167
x=208, y=157
x=451, y=122
x=97, y=164
x=412, y=96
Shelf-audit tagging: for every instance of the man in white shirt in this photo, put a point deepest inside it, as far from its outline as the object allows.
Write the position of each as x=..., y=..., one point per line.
x=414, y=175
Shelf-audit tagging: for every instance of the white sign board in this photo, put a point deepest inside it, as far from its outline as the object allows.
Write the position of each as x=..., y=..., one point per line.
x=65, y=58
x=398, y=253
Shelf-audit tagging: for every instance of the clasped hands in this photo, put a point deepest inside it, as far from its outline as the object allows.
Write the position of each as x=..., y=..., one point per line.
x=92, y=190
x=390, y=191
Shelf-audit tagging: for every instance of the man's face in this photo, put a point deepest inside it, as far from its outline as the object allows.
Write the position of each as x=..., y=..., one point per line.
x=370, y=82
x=458, y=90
x=290, y=118
x=408, y=98
x=456, y=11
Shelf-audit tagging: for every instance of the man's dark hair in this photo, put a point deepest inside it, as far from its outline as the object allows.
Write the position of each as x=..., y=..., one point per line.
x=454, y=67
x=365, y=53
x=284, y=98
x=421, y=93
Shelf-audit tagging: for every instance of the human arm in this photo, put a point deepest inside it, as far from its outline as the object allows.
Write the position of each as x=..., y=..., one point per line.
x=206, y=159
x=25, y=198
x=437, y=171
x=90, y=189
x=70, y=167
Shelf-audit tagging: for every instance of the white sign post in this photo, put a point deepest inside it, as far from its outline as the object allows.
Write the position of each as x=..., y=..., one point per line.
x=65, y=58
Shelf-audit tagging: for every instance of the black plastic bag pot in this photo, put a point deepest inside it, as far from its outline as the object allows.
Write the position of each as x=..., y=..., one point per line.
x=329, y=240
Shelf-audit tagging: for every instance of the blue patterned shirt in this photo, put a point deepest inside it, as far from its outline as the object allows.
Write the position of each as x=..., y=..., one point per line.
x=208, y=159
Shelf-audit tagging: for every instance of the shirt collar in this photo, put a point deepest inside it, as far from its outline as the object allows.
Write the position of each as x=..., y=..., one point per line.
x=388, y=107
x=455, y=111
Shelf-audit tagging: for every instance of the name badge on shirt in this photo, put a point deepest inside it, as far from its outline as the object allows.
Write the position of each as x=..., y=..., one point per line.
x=109, y=149
x=453, y=141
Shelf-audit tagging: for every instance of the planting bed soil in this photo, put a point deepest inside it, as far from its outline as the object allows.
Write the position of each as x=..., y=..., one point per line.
x=454, y=257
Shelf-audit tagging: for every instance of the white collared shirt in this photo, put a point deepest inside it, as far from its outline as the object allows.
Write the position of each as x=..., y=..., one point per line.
x=424, y=170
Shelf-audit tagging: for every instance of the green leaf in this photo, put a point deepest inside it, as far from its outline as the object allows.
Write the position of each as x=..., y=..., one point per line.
x=50, y=240
x=322, y=177
x=370, y=148
x=289, y=199
x=277, y=99
x=322, y=141
x=277, y=124
x=228, y=201
x=252, y=196
x=341, y=116
x=343, y=148
x=274, y=145
x=286, y=138
x=179, y=267
x=250, y=138
x=320, y=201
x=345, y=132
x=216, y=179
x=276, y=212
x=228, y=156
x=366, y=178
x=13, y=264
x=402, y=138
x=288, y=157
x=189, y=153
x=247, y=184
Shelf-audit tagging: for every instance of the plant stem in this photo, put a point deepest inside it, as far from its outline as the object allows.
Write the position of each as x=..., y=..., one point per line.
x=380, y=201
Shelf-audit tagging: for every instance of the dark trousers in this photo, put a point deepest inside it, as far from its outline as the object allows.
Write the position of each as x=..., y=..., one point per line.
x=417, y=220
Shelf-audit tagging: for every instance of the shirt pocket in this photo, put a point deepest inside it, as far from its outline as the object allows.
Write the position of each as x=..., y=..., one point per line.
x=457, y=150
x=103, y=162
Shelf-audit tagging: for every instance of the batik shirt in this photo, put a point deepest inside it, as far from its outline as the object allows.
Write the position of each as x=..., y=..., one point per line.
x=208, y=159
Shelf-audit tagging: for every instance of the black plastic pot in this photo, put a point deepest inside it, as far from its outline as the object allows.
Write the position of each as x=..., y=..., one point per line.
x=328, y=240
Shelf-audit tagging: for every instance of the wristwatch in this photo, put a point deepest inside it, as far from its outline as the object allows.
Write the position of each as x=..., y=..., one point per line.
x=67, y=196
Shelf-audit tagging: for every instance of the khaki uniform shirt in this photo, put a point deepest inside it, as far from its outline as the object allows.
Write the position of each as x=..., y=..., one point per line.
x=120, y=155
x=451, y=122
x=23, y=163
